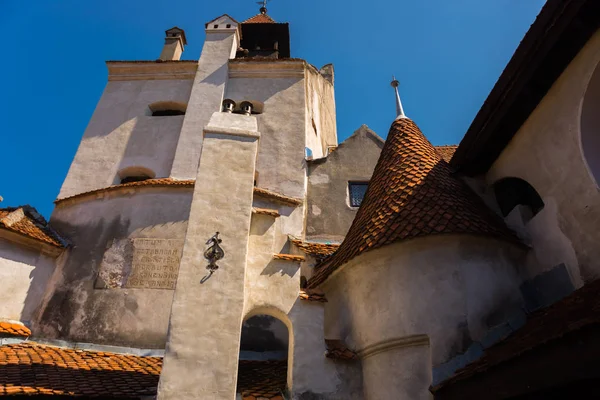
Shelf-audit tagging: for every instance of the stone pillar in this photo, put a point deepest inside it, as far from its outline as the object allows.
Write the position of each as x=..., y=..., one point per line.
x=206, y=97
x=204, y=332
x=397, y=369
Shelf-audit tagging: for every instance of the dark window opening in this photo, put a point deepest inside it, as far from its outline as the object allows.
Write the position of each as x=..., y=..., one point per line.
x=511, y=192
x=139, y=178
x=167, y=113
x=357, y=192
x=216, y=26
x=228, y=25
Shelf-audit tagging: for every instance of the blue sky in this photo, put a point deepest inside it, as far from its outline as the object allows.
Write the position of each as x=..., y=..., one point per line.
x=446, y=54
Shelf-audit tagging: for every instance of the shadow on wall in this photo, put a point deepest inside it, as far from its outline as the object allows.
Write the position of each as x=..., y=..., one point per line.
x=74, y=293
x=289, y=268
x=39, y=279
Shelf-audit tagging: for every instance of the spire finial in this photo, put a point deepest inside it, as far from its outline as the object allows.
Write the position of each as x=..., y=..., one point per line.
x=399, y=109
x=263, y=3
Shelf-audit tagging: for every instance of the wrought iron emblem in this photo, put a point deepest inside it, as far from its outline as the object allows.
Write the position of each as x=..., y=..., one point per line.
x=213, y=254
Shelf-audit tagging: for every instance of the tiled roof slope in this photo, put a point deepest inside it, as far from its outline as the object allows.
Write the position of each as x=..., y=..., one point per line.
x=159, y=182
x=25, y=220
x=412, y=193
x=260, y=19
x=318, y=250
x=576, y=311
x=14, y=329
x=34, y=369
x=446, y=152
x=262, y=379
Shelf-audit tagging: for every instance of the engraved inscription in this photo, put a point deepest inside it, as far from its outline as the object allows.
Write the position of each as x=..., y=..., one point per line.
x=155, y=263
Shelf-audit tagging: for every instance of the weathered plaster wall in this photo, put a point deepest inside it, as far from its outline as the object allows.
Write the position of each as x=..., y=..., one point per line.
x=24, y=274
x=452, y=288
x=78, y=311
x=546, y=152
x=281, y=165
x=321, y=130
x=329, y=214
x=271, y=287
x=122, y=133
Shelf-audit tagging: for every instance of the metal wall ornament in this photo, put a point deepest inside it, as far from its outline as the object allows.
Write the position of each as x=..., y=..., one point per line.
x=213, y=254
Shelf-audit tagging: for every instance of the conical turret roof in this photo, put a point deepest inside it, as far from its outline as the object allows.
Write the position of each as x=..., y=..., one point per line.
x=412, y=193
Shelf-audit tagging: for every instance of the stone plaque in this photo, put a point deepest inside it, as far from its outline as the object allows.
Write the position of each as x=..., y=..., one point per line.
x=155, y=263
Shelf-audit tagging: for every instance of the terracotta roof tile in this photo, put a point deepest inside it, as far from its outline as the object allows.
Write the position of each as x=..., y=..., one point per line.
x=160, y=182
x=262, y=379
x=576, y=311
x=265, y=211
x=337, y=350
x=288, y=257
x=31, y=368
x=260, y=19
x=412, y=193
x=312, y=295
x=27, y=221
x=446, y=151
x=315, y=249
x=281, y=198
x=14, y=329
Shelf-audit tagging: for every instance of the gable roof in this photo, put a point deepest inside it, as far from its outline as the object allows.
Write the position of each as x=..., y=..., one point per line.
x=219, y=17
x=363, y=131
x=26, y=221
x=412, y=193
x=34, y=369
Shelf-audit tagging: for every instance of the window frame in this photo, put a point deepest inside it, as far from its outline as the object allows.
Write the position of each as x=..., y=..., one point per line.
x=349, y=191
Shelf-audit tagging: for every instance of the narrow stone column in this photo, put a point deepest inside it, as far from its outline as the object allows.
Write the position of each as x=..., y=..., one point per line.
x=204, y=332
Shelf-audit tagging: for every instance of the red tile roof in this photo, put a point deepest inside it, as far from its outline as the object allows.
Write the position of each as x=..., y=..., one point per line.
x=312, y=295
x=412, y=193
x=337, y=350
x=265, y=211
x=28, y=222
x=446, y=151
x=576, y=311
x=34, y=369
x=14, y=329
x=260, y=19
x=262, y=379
x=318, y=250
x=160, y=182
x=288, y=257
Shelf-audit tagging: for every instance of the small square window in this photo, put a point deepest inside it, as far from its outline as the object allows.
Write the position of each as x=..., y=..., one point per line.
x=357, y=192
x=216, y=26
x=228, y=26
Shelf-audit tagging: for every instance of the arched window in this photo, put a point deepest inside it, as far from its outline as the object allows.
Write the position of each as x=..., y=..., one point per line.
x=135, y=174
x=263, y=360
x=167, y=108
x=590, y=125
x=510, y=192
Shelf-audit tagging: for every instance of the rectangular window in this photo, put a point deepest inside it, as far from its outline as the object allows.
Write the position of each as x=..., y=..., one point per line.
x=357, y=192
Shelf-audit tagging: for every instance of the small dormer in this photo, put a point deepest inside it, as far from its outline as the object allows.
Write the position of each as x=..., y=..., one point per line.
x=224, y=23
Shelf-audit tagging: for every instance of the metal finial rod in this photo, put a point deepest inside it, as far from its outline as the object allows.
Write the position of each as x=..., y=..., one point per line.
x=263, y=4
x=399, y=108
